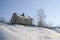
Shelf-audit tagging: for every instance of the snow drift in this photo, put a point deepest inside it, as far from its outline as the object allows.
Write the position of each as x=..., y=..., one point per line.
x=19, y=32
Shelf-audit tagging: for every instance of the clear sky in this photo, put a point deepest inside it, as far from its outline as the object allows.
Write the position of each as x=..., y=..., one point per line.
x=30, y=7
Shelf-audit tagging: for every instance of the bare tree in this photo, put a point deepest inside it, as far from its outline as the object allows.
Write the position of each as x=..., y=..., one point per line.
x=41, y=17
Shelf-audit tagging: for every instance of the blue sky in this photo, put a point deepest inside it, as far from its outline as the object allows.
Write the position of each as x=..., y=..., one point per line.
x=30, y=7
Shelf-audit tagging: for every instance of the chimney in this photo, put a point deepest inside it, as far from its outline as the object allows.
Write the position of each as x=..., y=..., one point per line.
x=14, y=13
x=22, y=14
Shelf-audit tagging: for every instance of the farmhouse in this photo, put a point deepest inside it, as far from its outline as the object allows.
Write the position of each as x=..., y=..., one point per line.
x=21, y=19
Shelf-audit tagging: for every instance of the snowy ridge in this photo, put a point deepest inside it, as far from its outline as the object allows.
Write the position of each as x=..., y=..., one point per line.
x=19, y=32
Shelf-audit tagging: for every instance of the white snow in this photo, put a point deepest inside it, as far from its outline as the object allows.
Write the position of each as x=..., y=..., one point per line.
x=19, y=32
x=22, y=16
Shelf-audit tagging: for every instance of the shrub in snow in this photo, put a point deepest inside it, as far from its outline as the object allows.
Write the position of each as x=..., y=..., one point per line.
x=2, y=20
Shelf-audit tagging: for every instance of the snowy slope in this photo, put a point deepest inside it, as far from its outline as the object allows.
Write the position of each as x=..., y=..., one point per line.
x=57, y=29
x=19, y=32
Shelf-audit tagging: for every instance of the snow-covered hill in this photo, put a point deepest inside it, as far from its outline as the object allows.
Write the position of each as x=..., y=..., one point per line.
x=19, y=32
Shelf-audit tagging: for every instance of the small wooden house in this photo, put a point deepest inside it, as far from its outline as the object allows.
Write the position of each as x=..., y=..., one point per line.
x=21, y=19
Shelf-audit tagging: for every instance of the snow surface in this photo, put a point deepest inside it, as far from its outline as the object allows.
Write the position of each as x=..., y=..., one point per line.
x=22, y=16
x=19, y=32
x=57, y=29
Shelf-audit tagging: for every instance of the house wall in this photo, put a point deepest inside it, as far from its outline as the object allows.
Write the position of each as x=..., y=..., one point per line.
x=20, y=20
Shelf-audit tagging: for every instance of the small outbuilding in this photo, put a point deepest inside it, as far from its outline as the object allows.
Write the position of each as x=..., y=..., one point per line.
x=21, y=19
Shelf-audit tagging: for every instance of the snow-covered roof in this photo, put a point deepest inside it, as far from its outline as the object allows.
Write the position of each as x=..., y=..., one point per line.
x=23, y=16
